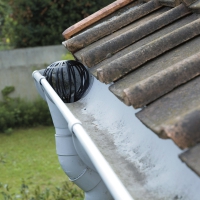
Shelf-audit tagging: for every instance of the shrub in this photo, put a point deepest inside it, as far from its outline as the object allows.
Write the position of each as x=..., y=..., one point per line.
x=67, y=56
x=4, y=13
x=16, y=112
x=66, y=192
x=39, y=23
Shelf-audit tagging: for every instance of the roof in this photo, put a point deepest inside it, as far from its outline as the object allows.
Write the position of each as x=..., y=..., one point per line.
x=149, y=53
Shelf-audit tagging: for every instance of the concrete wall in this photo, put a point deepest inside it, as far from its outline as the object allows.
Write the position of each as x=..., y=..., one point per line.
x=16, y=67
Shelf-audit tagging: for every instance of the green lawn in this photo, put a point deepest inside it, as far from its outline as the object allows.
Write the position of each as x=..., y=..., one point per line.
x=29, y=155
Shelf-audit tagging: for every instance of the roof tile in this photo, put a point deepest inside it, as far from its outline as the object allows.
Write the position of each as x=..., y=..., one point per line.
x=123, y=65
x=97, y=32
x=108, y=38
x=146, y=91
x=171, y=3
x=188, y=2
x=192, y=159
x=92, y=57
x=156, y=65
x=195, y=7
x=94, y=17
x=151, y=53
x=176, y=115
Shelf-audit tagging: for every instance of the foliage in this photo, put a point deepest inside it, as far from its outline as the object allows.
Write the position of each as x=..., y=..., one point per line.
x=65, y=192
x=4, y=10
x=67, y=56
x=39, y=23
x=29, y=154
x=4, y=13
x=7, y=90
x=16, y=112
x=29, y=164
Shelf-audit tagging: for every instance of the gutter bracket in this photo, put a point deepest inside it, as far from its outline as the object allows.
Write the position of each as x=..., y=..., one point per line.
x=72, y=124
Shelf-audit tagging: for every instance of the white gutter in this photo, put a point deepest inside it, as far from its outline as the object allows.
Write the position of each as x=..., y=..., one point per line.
x=114, y=185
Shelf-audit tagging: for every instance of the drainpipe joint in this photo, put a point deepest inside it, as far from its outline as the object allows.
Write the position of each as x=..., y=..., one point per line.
x=72, y=123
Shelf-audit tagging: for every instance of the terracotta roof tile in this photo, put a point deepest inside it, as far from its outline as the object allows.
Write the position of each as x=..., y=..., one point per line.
x=95, y=17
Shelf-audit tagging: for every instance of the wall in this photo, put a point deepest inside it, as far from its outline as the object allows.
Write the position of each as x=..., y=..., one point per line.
x=16, y=67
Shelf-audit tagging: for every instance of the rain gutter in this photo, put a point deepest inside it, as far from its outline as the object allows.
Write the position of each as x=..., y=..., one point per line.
x=113, y=183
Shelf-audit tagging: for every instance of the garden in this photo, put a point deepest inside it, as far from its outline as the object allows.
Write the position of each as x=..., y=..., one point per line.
x=29, y=168
x=28, y=162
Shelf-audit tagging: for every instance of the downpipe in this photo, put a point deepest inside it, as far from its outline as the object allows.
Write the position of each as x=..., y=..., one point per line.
x=80, y=170
x=68, y=126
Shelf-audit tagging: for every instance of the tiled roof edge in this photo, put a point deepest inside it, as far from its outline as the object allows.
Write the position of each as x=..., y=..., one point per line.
x=94, y=56
x=91, y=35
x=95, y=17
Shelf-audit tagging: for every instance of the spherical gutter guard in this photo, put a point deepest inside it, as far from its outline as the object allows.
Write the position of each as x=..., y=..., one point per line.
x=69, y=78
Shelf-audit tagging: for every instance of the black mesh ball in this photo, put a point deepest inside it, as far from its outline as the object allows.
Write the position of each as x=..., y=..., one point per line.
x=70, y=79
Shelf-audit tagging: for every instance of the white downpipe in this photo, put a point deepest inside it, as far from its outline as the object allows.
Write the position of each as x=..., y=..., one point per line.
x=78, y=172
x=63, y=133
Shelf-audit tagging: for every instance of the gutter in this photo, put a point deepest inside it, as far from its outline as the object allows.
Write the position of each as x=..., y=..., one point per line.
x=89, y=170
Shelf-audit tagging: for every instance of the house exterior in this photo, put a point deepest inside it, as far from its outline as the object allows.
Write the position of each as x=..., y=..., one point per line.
x=142, y=111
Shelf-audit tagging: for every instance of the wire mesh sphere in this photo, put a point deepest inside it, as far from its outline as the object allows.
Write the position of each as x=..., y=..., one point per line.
x=70, y=79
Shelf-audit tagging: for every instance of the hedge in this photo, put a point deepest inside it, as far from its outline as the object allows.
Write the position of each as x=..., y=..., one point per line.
x=16, y=112
x=39, y=23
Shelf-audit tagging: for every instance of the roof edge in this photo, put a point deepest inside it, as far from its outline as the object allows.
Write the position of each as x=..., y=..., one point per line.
x=72, y=30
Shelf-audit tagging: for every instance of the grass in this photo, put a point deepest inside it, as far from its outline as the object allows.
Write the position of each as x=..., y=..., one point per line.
x=67, y=56
x=29, y=155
